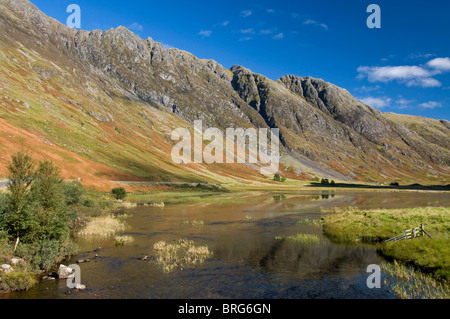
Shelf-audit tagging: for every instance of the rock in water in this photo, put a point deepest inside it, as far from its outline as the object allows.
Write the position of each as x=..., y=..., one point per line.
x=64, y=272
x=80, y=287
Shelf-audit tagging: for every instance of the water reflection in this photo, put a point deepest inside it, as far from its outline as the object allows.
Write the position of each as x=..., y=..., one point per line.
x=248, y=259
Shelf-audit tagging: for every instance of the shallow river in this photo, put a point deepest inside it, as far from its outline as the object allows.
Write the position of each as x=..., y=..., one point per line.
x=248, y=259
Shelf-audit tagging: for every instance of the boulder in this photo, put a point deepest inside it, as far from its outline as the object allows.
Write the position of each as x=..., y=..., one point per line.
x=64, y=272
x=6, y=268
x=18, y=261
x=80, y=287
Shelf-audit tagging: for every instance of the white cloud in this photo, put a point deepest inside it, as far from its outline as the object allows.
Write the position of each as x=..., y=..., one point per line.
x=389, y=73
x=310, y=21
x=377, y=102
x=278, y=36
x=270, y=11
x=247, y=31
x=205, y=33
x=424, y=82
x=368, y=88
x=246, y=39
x=314, y=22
x=420, y=55
x=411, y=75
x=135, y=27
x=431, y=105
x=225, y=23
x=440, y=64
x=246, y=13
x=403, y=103
x=266, y=31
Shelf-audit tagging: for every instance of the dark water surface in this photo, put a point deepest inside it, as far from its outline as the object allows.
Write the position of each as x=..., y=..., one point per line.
x=248, y=261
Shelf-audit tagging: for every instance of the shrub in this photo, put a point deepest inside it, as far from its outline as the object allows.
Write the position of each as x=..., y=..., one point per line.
x=277, y=178
x=73, y=192
x=88, y=203
x=43, y=254
x=325, y=181
x=17, y=281
x=119, y=193
x=395, y=184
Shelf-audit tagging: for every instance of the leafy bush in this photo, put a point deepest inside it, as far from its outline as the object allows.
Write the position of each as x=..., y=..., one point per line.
x=88, y=203
x=43, y=254
x=326, y=181
x=119, y=193
x=73, y=192
x=17, y=281
x=277, y=178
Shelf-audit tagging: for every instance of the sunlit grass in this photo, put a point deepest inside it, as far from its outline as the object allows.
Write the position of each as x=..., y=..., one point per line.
x=123, y=240
x=301, y=238
x=195, y=223
x=311, y=222
x=408, y=283
x=180, y=254
x=104, y=226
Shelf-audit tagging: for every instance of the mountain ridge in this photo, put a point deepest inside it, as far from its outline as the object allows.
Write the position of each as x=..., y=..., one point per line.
x=116, y=80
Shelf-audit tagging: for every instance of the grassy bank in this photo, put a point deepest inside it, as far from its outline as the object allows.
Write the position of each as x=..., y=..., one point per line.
x=431, y=256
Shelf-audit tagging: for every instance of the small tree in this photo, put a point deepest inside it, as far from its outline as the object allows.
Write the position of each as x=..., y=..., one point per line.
x=277, y=178
x=48, y=187
x=119, y=193
x=21, y=175
x=283, y=179
x=74, y=193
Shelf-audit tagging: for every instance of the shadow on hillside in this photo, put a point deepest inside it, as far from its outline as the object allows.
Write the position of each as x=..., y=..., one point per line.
x=390, y=187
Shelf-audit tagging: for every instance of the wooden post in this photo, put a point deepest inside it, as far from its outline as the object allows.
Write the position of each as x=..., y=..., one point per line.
x=423, y=230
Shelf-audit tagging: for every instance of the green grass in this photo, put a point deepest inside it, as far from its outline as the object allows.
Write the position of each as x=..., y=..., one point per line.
x=123, y=240
x=412, y=284
x=429, y=255
x=180, y=254
x=17, y=281
x=311, y=222
x=301, y=238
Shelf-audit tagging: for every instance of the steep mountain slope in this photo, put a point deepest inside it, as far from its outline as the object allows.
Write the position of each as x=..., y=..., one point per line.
x=113, y=99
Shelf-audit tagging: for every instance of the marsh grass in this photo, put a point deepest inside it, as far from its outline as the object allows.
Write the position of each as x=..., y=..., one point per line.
x=311, y=222
x=123, y=240
x=301, y=238
x=104, y=226
x=195, y=223
x=180, y=254
x=408, y=283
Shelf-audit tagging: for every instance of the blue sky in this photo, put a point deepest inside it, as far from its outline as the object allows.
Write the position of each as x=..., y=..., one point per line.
x=403, y=67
